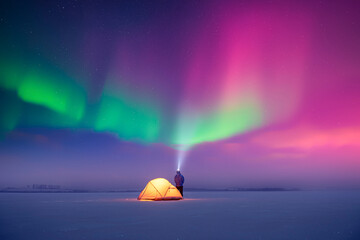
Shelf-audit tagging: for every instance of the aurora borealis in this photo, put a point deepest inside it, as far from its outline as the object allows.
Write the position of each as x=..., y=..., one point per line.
x=257, y=92
x=223, y=89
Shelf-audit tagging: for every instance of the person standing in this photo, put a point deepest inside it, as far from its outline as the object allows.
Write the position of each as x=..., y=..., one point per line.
x=179, y=180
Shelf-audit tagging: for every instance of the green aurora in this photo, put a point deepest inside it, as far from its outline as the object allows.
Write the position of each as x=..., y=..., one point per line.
x=59, y=101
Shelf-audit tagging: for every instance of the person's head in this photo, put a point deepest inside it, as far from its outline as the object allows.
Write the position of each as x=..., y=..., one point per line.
x=178, y=171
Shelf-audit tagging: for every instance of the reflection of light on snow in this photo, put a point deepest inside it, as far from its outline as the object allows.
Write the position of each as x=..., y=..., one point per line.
x=157, y=202
x=120, y=200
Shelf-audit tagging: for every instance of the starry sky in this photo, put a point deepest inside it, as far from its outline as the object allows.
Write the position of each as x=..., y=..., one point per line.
x=109, y=95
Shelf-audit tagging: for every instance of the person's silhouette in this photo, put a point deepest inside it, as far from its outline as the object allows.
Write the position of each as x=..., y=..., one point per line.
x=179, y=180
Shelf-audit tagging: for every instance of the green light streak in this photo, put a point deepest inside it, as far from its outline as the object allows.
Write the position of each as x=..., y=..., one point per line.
x=224, y=123
x=38, y=88
x=49, y=89
x=49, y=98
x=129, y=120
x=57, y=101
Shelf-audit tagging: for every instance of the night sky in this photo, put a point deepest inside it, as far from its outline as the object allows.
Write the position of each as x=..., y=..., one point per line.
x=112, y=94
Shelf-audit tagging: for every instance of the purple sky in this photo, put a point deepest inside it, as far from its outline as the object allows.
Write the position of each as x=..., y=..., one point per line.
x=197, y=67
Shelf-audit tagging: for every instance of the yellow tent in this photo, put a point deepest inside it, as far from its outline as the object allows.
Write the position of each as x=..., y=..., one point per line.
x=159, y=189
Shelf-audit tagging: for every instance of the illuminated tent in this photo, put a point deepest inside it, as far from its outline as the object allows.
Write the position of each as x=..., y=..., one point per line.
x=159, y=189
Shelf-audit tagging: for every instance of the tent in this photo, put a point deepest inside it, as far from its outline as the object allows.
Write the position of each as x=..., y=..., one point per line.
x=159, y=189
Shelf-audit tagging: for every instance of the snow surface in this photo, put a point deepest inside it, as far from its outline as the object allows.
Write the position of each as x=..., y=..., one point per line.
x=202, y=215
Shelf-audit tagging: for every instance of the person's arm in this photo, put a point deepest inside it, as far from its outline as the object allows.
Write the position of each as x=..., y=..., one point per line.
x=183, y=179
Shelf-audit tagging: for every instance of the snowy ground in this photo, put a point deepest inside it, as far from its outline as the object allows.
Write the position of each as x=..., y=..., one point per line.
x=202, y=215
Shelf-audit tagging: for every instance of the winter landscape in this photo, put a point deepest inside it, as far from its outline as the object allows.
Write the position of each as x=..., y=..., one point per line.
x=179, y=119
x=200, y=215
